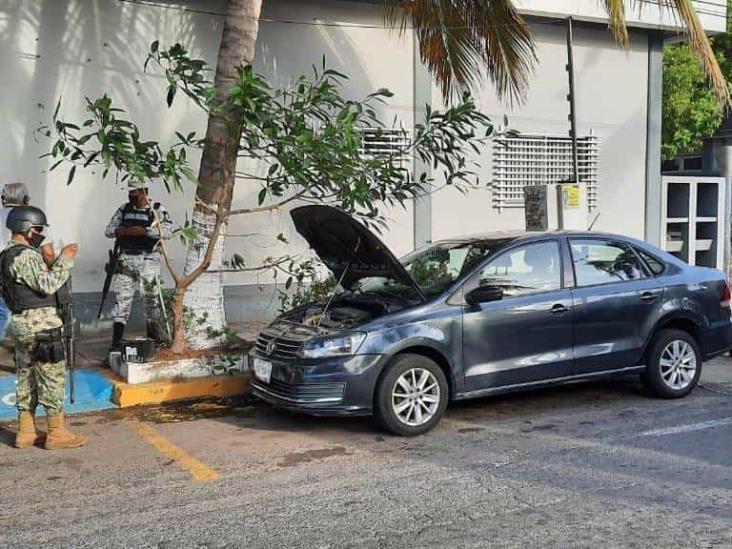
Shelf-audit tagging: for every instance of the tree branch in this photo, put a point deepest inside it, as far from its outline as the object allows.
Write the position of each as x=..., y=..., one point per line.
x=164, y=249
x=269, y=207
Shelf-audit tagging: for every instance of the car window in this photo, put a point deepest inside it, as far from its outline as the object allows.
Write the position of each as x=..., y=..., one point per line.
x=655, y=265
x=525, y=270
x=435, y=268
x=603, y=261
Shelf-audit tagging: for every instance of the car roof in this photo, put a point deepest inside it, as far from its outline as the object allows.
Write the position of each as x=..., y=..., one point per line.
x=521, y=235
x=513, y=236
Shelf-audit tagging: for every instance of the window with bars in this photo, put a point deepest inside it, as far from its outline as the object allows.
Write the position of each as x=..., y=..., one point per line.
x=377, y=142
x=526, y=160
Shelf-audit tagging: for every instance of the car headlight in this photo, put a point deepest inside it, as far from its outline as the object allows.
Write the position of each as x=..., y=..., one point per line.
x=340, y=345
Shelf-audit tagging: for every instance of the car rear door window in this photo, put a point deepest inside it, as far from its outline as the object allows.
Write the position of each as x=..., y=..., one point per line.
x=599, y=261
x=654, y=265
x=527, y=269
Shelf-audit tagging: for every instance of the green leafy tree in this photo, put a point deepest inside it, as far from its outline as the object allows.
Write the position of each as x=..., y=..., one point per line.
x=692, y=112
x=306, y=139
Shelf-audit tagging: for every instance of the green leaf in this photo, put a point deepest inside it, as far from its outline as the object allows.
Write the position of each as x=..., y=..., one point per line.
x=71, y=175
x=261, y=196
x=171, y=95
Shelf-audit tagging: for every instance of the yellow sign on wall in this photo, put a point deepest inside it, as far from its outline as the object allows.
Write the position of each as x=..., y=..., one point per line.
x=571, y=196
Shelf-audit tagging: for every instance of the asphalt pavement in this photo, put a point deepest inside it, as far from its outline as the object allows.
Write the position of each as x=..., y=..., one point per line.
x=597, y=465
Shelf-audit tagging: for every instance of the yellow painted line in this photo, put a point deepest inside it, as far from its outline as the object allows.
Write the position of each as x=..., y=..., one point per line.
x=157, y=392
x=198, y=470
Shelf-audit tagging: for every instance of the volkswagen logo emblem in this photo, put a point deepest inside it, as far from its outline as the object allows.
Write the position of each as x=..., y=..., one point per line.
x=270, y=346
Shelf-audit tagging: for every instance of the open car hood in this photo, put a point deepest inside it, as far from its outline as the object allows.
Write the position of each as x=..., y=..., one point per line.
x=350, y=250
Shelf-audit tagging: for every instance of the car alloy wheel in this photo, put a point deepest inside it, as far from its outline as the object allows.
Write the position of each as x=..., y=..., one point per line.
x=673, y=364
x=678, y=364
x=415, y=397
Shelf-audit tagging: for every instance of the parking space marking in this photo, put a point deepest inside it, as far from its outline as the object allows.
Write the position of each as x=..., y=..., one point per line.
x=687, y=428
x=198, y=470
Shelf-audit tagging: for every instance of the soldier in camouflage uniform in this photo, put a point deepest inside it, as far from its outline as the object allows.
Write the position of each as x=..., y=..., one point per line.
x=135, y=227
x=29, y=287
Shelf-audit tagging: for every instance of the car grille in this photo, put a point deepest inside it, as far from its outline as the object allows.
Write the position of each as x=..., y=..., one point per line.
x=284, y=347
x=303, y=394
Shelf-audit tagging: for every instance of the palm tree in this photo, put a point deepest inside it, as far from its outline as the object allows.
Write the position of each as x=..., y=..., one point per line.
x=457, y=38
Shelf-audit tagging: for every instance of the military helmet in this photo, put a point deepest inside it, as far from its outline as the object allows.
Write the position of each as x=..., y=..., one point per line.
x=22, y=218
x=133, y=184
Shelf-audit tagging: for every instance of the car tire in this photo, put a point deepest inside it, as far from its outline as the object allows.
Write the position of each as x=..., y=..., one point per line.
x=674, y=364
x=406, y=412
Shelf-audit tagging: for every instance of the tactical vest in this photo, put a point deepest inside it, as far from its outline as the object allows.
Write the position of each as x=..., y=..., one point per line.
x=133, y=216
x=17, y=295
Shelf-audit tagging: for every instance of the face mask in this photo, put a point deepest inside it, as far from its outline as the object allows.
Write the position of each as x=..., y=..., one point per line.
x=36, y=239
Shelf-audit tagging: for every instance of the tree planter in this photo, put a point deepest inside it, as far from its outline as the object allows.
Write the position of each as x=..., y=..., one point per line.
x=218, y=364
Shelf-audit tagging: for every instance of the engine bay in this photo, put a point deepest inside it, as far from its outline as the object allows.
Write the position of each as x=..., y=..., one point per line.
x=344, y=312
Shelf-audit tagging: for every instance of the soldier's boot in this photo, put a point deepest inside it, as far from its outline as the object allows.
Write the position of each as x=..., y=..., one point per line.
x=59, y=437
x=27, y=434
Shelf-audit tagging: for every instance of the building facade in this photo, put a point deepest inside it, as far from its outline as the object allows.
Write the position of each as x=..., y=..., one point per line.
x=72, y=49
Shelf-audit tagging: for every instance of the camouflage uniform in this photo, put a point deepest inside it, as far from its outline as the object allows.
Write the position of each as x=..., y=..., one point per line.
x=140, y=271
x=137, y=272
x=38, y=383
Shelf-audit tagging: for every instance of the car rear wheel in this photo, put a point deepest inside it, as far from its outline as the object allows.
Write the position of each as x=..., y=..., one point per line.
x=412, y=395
x=674, y=364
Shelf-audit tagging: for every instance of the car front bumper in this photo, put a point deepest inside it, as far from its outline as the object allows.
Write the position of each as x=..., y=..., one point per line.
x=329, y=387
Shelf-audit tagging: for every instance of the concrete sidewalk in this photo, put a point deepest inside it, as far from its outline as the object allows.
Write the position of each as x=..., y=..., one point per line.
x=97, y=388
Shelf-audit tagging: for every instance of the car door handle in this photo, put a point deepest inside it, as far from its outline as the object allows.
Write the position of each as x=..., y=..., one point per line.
x=559, y=309
x=648, y=297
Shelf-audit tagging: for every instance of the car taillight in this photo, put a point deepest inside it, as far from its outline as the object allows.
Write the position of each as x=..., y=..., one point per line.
x=726, y=297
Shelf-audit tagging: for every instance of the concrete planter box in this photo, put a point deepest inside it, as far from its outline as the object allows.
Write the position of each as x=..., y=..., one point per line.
x=135, y=373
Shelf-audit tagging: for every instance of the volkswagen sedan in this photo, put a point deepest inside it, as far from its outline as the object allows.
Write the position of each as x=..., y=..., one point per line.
x=470, y=317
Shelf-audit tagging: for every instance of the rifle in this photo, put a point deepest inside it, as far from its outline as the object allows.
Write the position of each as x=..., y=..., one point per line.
x=66, y=312
x=110, y=267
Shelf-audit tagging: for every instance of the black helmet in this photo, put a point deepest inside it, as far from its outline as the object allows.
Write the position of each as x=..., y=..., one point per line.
x=22, y=218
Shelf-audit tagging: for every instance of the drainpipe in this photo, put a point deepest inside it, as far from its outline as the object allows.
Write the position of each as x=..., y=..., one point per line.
x=422, y=97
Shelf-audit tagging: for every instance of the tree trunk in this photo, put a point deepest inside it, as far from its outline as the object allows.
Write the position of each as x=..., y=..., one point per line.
x=179, y=342
x=204, y=300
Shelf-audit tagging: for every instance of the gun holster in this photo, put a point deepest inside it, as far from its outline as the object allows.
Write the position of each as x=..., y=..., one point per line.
x=49, y=346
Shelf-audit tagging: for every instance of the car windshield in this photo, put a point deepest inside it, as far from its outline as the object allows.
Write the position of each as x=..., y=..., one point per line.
x=434, y=268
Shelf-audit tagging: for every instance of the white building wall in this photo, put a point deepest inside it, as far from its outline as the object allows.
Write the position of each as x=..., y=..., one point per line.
x=611, y=90
x=648, y=14
x=77, y=48
x=72, y=49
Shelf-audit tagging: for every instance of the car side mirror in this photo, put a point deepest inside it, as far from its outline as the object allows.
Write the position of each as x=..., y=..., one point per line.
x=484, y=294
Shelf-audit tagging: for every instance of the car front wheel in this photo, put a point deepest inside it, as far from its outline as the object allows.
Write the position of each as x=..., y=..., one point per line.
x=674, y=364
x=412, y=395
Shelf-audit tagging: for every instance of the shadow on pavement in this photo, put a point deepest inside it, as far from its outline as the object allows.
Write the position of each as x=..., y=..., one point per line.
x=7, y=435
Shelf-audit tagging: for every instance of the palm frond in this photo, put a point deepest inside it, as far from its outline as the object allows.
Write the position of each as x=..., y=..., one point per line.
x=697, y=38
x=508, y=48
x=702, y=48
x=459, y=39
x=616, y=12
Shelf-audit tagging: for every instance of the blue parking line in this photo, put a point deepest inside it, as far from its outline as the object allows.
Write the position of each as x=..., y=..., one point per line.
x=92, y=391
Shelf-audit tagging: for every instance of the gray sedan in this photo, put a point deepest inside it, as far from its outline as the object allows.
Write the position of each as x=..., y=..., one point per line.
x=470, y=317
